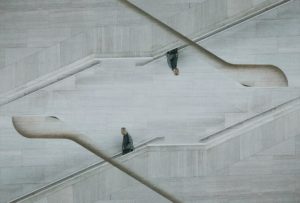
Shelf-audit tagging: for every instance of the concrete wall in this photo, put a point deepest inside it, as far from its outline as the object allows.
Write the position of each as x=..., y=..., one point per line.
x=271, y=175
x=112, y=40
x=117, y=93
x=272, y=38
x=94, y=43
x=29, y=26
x=148, y=100
x=198, y=17
x=246, y=162
x=99, y=101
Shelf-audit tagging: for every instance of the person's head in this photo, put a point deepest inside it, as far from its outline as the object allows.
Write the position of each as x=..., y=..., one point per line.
x=123, y=131
x=176, y=71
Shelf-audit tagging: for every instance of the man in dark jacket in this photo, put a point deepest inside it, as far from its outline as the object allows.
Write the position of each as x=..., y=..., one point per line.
x=127, y=145
x=172, y=57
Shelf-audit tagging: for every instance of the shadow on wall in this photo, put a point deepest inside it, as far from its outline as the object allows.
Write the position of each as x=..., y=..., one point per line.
x=249, y=75
x=256, y=75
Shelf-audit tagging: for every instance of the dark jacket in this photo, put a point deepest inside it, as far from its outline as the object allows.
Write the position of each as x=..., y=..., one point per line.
x=127, y=145
x=172, y=57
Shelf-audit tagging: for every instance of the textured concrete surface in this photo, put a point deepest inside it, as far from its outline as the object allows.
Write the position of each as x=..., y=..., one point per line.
x=197, y=17
x=121, y=39
x=272, y=38
x=265, y=174
x=50, y=127
x=102, y=99
x=148, y=100
x=28, y=26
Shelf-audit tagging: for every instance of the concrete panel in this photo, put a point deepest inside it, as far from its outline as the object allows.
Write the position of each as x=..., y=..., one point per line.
x=49, y=60
x=265, y=39
x=63, y=196
x=223, y=155
x=7, y=82
x=26, y=71
x=34, y=26
x=148, y=100
x=76, y=48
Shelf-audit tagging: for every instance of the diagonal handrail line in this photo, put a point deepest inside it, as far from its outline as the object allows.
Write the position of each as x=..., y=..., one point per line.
x=78, y=173
x=50, y=127
x=214, y=59
x=48, y=79
x=254, y=120
x=26, y=89
x=166, y=27
x=171, y=30
x=278, y=110
x=222, y=28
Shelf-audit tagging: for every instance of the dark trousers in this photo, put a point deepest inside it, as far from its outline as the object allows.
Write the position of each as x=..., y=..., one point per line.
x=172, y=62
x=125, y=151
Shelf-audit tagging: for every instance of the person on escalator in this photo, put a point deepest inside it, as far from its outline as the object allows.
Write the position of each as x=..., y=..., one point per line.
x=127, y=145
x=172, y=57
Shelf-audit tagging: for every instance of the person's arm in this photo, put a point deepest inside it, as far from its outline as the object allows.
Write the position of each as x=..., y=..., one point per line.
x=131, y=142
x=124, y=144
x=170, y=56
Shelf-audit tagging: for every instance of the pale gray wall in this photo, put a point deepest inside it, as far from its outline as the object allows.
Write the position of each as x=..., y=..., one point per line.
x=29, y=26
x=73, y=49
x=138, y=37
x=149, y=101
x=263, y=158
x=272, y=38
x=184, y=108
x=197, y=17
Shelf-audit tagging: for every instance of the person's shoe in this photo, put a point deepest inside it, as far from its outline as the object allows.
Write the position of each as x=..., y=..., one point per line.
x=176, y=71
